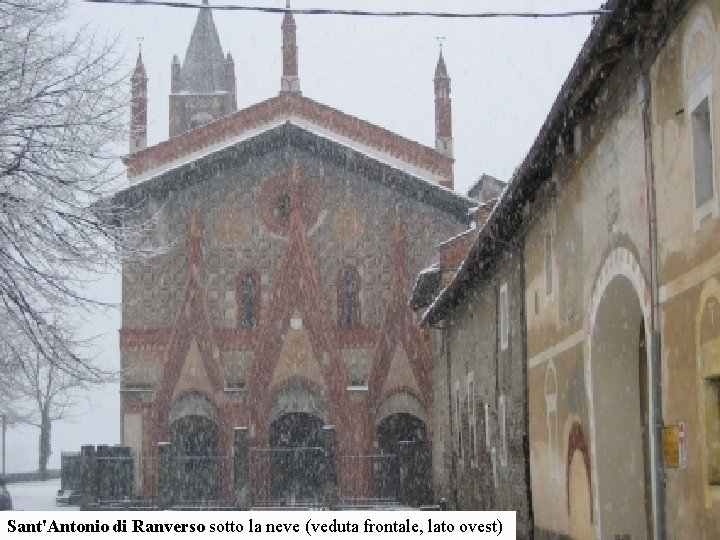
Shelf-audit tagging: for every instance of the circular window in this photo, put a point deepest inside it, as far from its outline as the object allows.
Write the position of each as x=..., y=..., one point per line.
x=278, y=200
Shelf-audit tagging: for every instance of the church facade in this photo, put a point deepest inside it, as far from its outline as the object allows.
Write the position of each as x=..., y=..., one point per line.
x=288, y=235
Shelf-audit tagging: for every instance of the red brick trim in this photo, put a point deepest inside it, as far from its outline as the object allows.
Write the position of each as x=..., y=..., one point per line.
x=280, y=107
x=236, y=338
x=192, y=321
x=357, y=336
x=577, y=442
x=295, y=288
x=132, y=338
x=399, y=327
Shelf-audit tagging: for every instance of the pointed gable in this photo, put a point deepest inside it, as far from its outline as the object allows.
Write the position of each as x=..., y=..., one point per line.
x=400, y=374
x=297, y=359
x=193, y=375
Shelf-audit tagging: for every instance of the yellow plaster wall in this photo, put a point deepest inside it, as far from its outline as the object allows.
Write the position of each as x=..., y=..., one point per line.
x=597, y=206
x=689, y=263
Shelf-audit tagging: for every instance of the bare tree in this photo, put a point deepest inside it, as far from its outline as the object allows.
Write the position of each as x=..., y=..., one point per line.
x=50, y=394
x=62, y=114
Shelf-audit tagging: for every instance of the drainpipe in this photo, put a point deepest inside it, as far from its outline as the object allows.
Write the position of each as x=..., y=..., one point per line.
x=659, y=519
x=448, y=378
x=525, y=387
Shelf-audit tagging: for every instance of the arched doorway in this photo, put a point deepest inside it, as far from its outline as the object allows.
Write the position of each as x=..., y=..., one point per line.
x=405, y=474
x=619, y=378
x=297, y=458
x=195, y=443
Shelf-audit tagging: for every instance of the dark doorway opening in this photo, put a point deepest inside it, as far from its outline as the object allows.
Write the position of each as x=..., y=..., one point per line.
x=196, y=462
x=297, y=460
x=406, y=475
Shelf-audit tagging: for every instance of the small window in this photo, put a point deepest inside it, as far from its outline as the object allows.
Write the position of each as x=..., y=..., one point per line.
x=504, y=317
x=282, y=206
x=349, y=308
x=487, y=425
x=248, y=301
x=472, y=420
x=712, y=423
x=503, y=432
x=458, y=419
x=702, y=153
x=551, y=418
x=548, y=265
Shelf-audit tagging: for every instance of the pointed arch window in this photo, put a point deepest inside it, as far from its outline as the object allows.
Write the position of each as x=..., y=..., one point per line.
x=348, y=298
x=249, y=296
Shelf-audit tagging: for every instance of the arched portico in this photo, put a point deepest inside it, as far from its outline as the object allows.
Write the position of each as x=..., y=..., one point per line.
x=618, y=379
x=195, y=439
x=405, y=467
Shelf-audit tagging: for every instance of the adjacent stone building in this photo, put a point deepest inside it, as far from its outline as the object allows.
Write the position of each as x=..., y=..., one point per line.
x=288, y=235
x=479, y=372
x=609, y=228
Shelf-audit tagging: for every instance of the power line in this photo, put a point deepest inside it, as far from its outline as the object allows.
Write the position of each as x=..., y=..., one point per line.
x=362, y=13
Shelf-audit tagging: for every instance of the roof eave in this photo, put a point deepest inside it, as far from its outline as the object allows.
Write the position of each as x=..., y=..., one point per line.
x=449, y=296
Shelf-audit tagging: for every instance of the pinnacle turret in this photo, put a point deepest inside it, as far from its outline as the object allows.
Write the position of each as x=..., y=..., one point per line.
x=443, y=110
x=138, y=107
x=290, y=82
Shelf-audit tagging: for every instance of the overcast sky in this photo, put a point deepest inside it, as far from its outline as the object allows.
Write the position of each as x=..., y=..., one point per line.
x=505, y=76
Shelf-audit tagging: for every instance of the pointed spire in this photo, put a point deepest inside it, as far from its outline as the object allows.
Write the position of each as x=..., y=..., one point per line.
x=290, y=82
x=441, y=68
x=138, y=106
x=443, y=112
x=203, y=71
x=203, y=88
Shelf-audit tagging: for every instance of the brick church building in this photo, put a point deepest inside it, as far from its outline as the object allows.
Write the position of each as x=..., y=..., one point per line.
x=288, y=235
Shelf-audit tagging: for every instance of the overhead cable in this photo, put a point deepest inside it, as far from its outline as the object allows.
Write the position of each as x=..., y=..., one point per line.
x=359, y=12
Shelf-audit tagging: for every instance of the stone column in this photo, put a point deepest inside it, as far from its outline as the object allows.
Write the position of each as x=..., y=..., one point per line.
x=328, y=442
x=88, y=463
x=242, y=470
x=164, y=472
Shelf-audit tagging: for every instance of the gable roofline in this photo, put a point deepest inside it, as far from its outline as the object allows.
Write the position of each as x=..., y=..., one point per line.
x=205, y=167
x=610, y=39
x=281, y=108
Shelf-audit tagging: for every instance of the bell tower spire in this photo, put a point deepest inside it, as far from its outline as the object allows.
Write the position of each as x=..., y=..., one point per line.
x=203, y=88
x=138, y=106
x=290, y=82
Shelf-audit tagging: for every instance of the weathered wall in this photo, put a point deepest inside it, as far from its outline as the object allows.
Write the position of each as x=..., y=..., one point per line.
x=685, y=72
x=486, y=376
x=592, y=215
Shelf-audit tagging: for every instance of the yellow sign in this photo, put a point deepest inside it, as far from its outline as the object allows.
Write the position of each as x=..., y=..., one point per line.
x=671, y=447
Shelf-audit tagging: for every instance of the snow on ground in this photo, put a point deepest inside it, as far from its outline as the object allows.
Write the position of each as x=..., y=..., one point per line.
x=36, y=495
